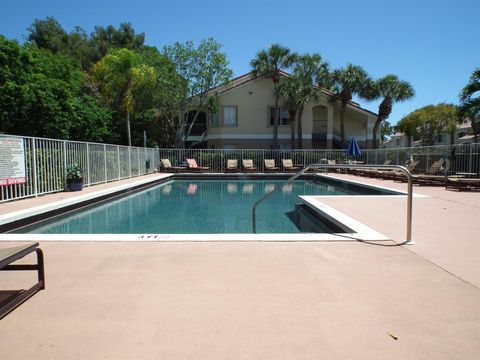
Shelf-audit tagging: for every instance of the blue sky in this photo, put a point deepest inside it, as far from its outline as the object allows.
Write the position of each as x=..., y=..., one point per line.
x=432, y=44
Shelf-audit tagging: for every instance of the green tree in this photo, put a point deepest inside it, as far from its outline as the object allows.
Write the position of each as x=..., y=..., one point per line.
x=270, y=63
x=408, y=125
x=201, y=70
x=390, y=89
x=121, y=77
x=313, y=73
x=348, y=81
x=470, y=102
x=83, y=48
x=45, y=94
x=428, y=122
x=48, y=34
x=104, y=39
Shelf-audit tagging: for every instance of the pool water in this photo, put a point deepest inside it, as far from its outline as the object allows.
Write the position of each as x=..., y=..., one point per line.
x=196, y=207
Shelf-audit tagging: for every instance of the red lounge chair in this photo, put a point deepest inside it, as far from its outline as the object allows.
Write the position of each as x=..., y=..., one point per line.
x=192, y=165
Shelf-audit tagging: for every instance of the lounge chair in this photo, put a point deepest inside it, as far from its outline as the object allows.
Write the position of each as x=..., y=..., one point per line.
x=10, y=299
x=367, y=172
x=232, y=165
x=430, y=177
x=462, y=184
x=192, y=165
x=270, y=165
x=397, y=175
x=288, y=165
x=248, y=165
x=327, y=170
x=167, y=166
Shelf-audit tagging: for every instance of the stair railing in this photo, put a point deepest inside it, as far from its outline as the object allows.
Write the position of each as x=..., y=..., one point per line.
x=409, y=175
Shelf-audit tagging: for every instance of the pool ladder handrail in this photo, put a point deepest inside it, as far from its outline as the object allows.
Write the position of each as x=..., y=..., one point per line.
x=409, y=175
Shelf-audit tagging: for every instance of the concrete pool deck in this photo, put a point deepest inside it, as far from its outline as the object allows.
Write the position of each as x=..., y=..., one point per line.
x=252, y=300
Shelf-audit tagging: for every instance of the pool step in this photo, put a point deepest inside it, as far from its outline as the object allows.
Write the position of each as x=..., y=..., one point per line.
x=308, y=221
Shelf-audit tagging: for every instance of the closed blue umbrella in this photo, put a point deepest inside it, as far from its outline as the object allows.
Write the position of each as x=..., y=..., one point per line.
x=353, y=148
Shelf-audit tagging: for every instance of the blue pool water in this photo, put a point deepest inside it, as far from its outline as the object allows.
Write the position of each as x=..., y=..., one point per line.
x=196, y=207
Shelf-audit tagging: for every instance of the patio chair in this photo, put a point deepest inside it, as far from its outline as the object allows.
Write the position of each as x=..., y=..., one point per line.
x=167, y=166
x=396, y=174
x=288, y=166
x=430, y=177
x=10, y=299
x=192, y=165
x=232, y=165
x=462, y=184
x=270, y=165
x=323, y=170
x=248, y=165
x=366, y=172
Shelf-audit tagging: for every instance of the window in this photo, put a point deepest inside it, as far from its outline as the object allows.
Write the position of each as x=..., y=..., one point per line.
x=440, y=138
x=398, y=142
x=229, y=116
x=214, y=120
x=284, y=117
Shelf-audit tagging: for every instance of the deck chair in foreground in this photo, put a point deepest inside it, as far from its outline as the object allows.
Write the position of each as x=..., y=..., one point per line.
x=462, y=184
x=10, y=299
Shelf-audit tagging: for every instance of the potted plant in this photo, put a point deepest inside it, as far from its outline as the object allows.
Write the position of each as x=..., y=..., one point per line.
x=74, y=177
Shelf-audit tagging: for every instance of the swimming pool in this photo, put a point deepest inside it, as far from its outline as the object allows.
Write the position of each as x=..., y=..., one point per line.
x=204, y=206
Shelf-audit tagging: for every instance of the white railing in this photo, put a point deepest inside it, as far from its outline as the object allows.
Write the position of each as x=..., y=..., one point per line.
x=463, y=158
x=46, y=161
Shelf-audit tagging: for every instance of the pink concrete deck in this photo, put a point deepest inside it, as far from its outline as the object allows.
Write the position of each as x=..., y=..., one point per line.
x=265, y=300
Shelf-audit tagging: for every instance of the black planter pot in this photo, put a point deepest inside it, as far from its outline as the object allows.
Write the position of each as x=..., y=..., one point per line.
x=75, y=186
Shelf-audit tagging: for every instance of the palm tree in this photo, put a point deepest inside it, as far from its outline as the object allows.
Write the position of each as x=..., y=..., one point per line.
x=269, y=63
x=120, y=75
x=470, y=105
x=348, y=81
x=386, y=129
x=288, y=89
x=391, y=89
x=312, y=71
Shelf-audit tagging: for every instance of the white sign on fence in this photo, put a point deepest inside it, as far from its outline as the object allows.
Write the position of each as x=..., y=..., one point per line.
x=12, y=161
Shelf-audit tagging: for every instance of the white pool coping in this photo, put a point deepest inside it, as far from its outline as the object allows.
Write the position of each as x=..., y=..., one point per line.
x=356, y=231
x=41, y=209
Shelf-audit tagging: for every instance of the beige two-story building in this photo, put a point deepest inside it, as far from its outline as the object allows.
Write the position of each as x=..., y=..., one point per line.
x=245, y=119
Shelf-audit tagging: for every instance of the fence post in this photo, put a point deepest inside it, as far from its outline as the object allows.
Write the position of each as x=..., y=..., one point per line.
x=64, y=163
x=105, y=161
x=129, y=162
x=88, y=165
x=470, y=158
x=138, y=161
x=118, y=162
x=35, y=182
